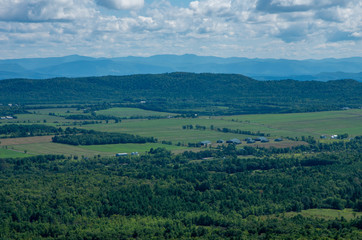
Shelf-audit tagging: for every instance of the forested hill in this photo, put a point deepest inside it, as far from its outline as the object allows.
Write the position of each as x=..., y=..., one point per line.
x=186, y=91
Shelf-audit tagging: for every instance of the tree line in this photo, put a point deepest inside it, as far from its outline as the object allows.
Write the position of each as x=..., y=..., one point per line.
x=98, y=138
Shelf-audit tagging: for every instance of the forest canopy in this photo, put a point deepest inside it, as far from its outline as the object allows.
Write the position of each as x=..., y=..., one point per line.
x=182, y=92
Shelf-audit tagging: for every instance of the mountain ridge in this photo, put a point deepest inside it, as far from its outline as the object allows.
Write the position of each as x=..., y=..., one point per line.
x=257, y=68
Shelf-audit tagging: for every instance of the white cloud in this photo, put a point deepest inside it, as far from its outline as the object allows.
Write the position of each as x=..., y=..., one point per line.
x=43, y=10
x=121, y=4
x=212, y=7
x=209, y=27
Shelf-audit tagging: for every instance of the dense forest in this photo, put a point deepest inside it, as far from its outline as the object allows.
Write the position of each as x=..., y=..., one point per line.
x=15, y=130
x=182, y=92
x=165, y=196
x=19, y=130
x=98, y=138
x=11, y=110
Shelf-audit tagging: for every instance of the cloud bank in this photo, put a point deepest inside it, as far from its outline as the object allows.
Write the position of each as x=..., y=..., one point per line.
x=255, y=28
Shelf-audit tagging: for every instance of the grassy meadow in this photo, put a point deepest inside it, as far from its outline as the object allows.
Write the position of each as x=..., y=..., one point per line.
x=277, y=125
x=57, y=148
x=12, y=153
x=132, y=112
x=130, y=147
x=312, y=124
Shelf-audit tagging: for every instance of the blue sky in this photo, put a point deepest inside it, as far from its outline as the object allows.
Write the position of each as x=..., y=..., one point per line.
x=293, y=29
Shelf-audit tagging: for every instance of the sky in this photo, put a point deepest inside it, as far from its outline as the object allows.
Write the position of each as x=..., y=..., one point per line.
x=291, y=29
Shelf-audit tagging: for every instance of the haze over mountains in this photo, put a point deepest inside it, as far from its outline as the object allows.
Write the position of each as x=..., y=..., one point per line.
x=260, y=69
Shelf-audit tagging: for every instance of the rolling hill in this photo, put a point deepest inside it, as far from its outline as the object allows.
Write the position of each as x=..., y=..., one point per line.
x=182, y=92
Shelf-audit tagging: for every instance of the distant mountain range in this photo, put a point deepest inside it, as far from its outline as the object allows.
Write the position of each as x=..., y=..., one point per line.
x=260, y=69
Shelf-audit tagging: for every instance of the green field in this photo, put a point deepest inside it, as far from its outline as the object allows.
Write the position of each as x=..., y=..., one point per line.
x=170, y=129
x=35, y=118
x=313, y=124
x=130, y=147
x=132, y=112
x=8, y=153
x=57, y=148
x=89, y=151
x=277, y=125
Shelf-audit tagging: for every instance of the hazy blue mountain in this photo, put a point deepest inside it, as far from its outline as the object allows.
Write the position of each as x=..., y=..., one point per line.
x=261, y=69
x=99, y=68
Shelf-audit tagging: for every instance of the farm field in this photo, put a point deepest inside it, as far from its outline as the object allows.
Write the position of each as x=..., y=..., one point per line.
x=133, y=112
x=25, y=140
x=171, y=129
x=9, y=153
x=168, y=129
x=277, y=125
x=57, y=148
x=313, y=124
x=35, y=118
x=90, y=151
x=130, y=147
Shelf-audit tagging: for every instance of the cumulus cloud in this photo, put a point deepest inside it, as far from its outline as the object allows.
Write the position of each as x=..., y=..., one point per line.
x=338, y=36
x=210, y=27
x=212, y=7
x=121, y=4
x=293, y=33
x=43, y=10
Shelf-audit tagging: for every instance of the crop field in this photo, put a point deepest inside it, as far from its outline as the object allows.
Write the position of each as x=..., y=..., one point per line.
x=130, y=147
x=277, y=125
x=313, y=124
x=10, y=153
x=34, y=118
x=132, y=112
x=88, y=151
x=25, y=140
x=171, y=129
x=57, y=148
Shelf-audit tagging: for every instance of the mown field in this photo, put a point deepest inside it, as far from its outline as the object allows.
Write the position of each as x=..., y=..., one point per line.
x=313, y=124
x=133, y=112
x=12, y=153
x=130, y=147
x=87, y=151
x=277, y=125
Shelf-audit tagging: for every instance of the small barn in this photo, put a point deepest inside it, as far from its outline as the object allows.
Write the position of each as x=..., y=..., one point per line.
x=234, y=141
x=250, y=140
x=121, y=154
x=205, y=143
x=261, y=139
